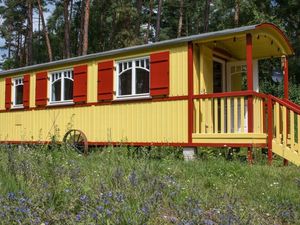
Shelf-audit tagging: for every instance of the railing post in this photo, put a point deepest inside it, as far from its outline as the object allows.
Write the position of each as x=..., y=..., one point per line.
x=270, y=129
x=249, y=61
x=286, y=93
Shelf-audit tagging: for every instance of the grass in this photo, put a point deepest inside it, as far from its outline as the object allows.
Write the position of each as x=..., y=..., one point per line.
x=119, y=186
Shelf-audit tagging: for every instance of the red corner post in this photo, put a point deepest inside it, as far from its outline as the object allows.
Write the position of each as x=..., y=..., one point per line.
x=190, y=92
x=249, y=59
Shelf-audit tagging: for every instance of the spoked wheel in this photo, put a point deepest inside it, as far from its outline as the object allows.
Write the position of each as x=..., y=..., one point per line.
x=76, y=140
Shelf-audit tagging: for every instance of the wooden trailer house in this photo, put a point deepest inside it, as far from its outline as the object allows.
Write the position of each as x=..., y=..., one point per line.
x=183, y=92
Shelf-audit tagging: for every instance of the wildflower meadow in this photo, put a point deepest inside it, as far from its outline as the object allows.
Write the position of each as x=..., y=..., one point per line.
x=55, y=185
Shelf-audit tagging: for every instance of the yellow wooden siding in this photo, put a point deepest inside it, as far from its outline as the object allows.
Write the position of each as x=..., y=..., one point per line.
x=32, y=90
x=179, y=71
x=196, y=69
x=92, y=81
x=2, y=93
x=236, y=82
x=164, y=121
x=206, y=70
x=237, y=138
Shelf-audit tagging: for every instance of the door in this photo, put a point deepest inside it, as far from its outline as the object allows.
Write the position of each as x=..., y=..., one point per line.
x=218, y=87
x=218, y=75
x=237, y=81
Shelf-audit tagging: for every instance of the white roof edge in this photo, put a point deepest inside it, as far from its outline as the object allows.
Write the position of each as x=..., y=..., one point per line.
x=79, y=59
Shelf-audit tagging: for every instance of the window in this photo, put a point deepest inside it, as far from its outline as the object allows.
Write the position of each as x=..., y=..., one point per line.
x=133, y=78
x=18, y=92
x=61, y=86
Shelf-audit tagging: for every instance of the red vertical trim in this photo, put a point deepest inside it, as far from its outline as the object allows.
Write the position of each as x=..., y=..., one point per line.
x=41, y=88
x=286, y=78
x=8, y=93
x=105, y=80
x=159, y=73
x=249, y=61
x=26, y=90
x=270, y=129
x=249, y=80
x=190, y=92
x=80, y=84
x=286, y=95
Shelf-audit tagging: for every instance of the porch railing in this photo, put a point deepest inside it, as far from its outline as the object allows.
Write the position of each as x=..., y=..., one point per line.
x=284, y=132
x=227, y=113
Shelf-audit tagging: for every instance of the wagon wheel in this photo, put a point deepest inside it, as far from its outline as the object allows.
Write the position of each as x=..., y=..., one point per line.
x=76, y=140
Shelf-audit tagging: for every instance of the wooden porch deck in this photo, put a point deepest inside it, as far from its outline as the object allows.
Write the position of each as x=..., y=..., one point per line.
x=248, y=119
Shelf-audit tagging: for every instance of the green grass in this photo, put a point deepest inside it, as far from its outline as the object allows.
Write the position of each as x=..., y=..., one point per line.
x=115, y=186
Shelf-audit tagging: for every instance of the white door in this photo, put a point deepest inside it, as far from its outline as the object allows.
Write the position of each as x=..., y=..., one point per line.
x=235, y=73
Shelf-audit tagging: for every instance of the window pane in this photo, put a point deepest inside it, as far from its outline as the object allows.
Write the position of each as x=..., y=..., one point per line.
x=68, y=89
x=125, y=82
x=19, y=95
x=142, y=81
x=56, y=91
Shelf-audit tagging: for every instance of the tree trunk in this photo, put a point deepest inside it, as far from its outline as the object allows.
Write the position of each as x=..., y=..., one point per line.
x=237, y=13
x=149, y=21
x=18, y=48
x=80, y=33
x=158, y=20
x=29, y=33
x=45, y=30
x=180, y=19
x=71, y=11
x=66, y=29
x=86, y=27
x=206, y=15
x=139, y=4
x=9, y=40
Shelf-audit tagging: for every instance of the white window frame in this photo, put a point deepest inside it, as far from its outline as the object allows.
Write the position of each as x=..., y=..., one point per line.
x=17, y=81
x=50, y=82
x=133, y=94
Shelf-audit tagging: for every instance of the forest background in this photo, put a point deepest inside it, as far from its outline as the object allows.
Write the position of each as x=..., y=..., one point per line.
x=34, y=34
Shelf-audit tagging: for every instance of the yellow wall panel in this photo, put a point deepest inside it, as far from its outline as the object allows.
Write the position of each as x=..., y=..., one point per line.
x=196, y=69
x=32, y=90
x=2, y=93
x=178, y=71
x=164, y=121
x=92, y=81
x=236, y=82
x=206, y=70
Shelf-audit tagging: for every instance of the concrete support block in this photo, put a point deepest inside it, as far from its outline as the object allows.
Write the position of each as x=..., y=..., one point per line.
x=189, y=153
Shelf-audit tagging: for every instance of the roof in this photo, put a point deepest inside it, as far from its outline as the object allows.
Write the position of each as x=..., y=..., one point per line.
x=198, y=37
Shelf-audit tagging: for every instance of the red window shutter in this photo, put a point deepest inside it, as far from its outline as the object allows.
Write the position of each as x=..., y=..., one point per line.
x=8, y=85
x=105, y=80
x=41, y=89
x=80, y=84
x=159, y=73
x=26, y=90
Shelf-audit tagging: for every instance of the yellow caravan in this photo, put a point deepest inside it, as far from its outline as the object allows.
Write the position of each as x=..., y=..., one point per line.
x=182, y=92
